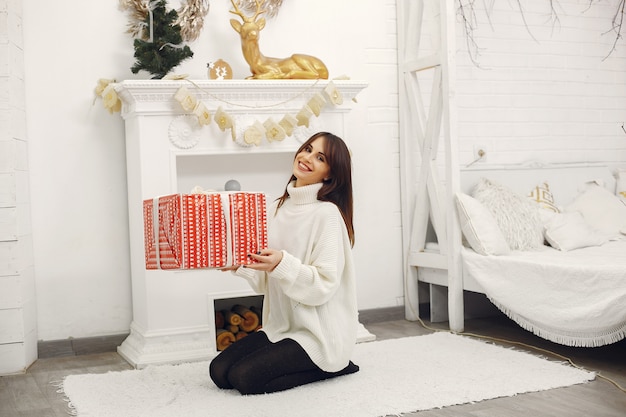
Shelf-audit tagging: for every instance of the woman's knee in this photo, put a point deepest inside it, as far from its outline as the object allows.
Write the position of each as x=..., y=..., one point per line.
x=245, y=380
x=221, y=365
x=218, y=371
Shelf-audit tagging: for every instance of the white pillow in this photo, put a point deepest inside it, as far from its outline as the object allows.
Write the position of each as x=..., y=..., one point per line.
x=600, y=208
x=545, y=216
x=567, y=231
x=479, y=227
x=542, y=195
x=516, y=216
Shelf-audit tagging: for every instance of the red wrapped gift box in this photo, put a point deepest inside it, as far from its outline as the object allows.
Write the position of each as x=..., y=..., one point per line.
x=208, y=230
x=248, y=225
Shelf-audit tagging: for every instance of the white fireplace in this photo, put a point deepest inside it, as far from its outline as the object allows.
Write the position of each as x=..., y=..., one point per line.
x=167, y=152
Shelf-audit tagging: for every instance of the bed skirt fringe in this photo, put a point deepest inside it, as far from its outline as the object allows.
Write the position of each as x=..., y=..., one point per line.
x=597, y=338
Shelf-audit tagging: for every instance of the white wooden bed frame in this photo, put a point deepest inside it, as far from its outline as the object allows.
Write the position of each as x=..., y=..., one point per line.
x=564, y=181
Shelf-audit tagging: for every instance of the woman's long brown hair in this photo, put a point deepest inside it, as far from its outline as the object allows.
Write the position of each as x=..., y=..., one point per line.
x=337, y=189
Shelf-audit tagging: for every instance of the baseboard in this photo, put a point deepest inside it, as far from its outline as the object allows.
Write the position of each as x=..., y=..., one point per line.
x=102, y=344
x=79, y=346
x=377, y=315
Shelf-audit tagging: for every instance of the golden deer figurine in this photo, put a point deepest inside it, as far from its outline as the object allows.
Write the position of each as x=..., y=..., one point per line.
x=297, y=66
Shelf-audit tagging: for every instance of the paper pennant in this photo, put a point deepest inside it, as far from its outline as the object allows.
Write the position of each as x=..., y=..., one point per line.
x=254, y=134
x=304, y=115
x=204, y=117
x=223, y=119
x=334, y=95
x=273, y=131
x=187, y=100
x=316, y=103
x=288, y=123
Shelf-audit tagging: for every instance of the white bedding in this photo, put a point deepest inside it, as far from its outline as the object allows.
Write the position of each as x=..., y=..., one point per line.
x=575, y=298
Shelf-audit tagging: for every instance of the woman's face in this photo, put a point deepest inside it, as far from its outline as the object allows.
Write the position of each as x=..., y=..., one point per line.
x=310, y=166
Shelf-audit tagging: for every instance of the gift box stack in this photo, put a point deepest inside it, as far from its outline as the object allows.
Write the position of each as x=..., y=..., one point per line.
x=204, y=230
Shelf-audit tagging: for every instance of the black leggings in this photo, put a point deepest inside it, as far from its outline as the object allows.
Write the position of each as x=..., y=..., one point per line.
x=254, y=365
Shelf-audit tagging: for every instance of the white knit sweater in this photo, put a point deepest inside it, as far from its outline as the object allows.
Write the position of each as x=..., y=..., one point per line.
x=310, y=296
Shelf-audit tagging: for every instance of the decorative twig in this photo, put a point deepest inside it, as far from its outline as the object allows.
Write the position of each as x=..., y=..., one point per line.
x=521, y=12
x=618, y=20
x=466, y=13
x=468, y=16
x=554, y=17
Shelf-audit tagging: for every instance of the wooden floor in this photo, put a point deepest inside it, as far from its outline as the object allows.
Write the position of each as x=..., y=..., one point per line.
x=35, y=395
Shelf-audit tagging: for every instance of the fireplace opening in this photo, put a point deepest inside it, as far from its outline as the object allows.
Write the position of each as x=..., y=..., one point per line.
x=235, y=318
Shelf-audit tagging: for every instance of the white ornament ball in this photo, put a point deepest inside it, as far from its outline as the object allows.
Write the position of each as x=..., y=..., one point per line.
x=232, y=185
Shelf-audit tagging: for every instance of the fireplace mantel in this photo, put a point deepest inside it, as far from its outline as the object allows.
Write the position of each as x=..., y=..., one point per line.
x=155, y=96
x=167, y=151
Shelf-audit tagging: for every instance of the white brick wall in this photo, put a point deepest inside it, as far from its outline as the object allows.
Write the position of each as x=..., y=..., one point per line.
x=18, y=336
x=555, y=99
x=378, y=249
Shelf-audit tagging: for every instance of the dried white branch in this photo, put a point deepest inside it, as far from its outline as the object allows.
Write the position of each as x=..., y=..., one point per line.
x=468, y=17
x=466, y=12
x=617, y=24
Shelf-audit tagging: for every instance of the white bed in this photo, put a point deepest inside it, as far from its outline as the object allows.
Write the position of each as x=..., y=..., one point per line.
x=574, y=297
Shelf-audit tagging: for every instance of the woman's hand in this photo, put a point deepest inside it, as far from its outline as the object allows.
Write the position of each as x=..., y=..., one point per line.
x=266, y=260
x=229, y=268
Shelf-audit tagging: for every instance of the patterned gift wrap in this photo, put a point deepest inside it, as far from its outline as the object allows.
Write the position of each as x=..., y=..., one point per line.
x=248, y=225
x=193, y=232
x=149, y=241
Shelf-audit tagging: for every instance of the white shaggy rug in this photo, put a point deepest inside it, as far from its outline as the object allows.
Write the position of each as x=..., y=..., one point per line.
x=396, y=376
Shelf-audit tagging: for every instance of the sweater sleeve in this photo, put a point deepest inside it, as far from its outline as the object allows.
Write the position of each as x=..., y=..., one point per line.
x=256, y=279
x=315, y=279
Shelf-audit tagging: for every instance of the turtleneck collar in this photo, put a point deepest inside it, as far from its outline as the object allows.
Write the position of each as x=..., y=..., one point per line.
x=303, y=195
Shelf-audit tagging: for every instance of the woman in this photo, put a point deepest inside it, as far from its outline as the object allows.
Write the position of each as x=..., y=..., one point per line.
x=308, y=282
